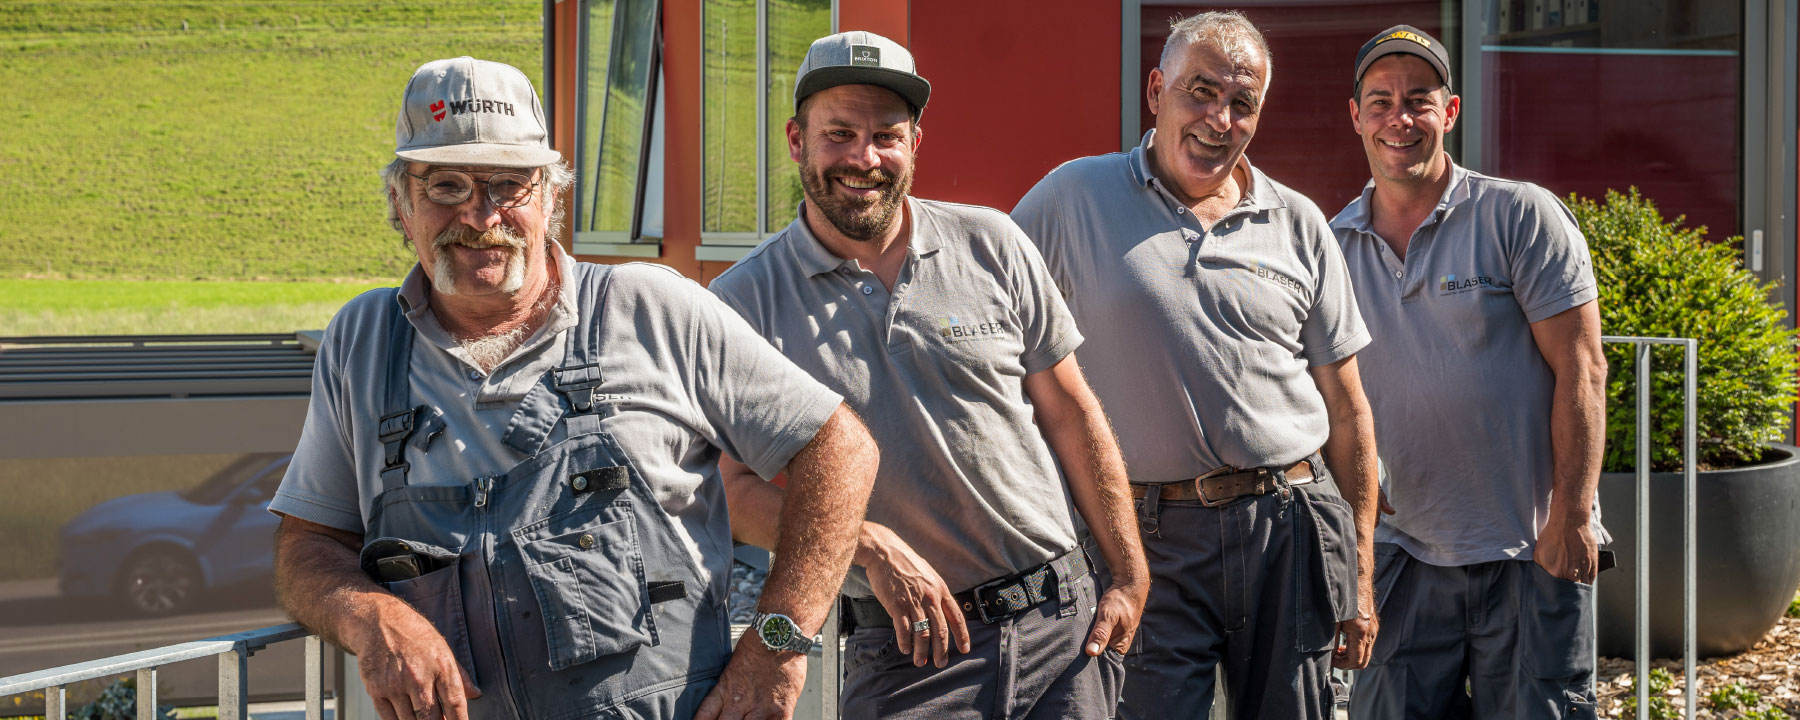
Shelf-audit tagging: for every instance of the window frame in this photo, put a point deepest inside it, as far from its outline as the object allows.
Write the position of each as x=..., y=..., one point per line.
x=631, y=242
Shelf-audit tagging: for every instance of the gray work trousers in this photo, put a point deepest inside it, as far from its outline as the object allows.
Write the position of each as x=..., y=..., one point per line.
x=1518, y=638
x=1259, y=585
x=1030, y=666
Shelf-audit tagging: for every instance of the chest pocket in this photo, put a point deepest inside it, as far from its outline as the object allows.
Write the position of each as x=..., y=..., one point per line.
x=586, y=567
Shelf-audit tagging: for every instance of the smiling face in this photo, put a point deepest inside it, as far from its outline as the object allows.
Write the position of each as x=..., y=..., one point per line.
x=474, y=249
x=1403, y=114
x=1206, y=106
x=855, y=146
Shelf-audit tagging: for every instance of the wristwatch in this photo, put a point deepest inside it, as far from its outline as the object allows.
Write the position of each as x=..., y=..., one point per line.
x=779, y=633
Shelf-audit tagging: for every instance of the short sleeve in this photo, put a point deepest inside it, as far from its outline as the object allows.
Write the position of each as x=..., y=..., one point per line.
x=321, y=484
x=1333, y=328
x=1550, y=268
x=1046, y=326
x=763, y=409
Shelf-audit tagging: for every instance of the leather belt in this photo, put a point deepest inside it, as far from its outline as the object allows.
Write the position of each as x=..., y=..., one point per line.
x=989, y=602
x=1226, y=484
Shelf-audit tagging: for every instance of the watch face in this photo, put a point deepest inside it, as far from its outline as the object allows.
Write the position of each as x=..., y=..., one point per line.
x=777, y=631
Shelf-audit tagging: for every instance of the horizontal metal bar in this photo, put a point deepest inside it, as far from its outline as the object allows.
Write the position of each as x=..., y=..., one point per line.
x=246, y=641
x=69, y=359
x=284, y=366
x=1647, y=340
x=146, y=339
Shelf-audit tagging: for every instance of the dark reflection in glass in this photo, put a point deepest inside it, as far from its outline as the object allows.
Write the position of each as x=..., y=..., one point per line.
x=1607, y=95
x=109, y=555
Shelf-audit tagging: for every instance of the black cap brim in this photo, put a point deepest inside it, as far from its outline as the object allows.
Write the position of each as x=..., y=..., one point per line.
x=911, y=88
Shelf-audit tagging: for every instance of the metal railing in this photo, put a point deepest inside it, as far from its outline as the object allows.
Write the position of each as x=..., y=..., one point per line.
x=233, y=652
x=1641, y=563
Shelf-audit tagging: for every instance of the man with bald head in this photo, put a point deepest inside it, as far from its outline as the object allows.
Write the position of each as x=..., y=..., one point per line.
x=1489, y=382
x=1224, y=335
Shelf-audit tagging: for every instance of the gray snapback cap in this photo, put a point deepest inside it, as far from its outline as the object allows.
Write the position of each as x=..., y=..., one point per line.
x=860, y=57
x=464, y=111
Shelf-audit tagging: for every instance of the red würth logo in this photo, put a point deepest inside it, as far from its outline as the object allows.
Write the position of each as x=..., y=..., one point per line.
x=437, y=110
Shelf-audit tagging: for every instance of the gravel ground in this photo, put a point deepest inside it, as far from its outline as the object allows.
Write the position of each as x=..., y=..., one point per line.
x=1771, y=668
x=746, y=587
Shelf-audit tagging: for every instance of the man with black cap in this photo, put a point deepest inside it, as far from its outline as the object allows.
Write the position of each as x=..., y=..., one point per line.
x=1225, y=339
x=1488, y=385
x=939, y=326
x=505, y=498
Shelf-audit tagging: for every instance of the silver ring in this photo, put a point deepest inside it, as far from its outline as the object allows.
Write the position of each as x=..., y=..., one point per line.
x=921, y=626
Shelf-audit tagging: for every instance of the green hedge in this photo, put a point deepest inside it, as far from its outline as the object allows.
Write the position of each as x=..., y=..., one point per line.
x=1660, y=279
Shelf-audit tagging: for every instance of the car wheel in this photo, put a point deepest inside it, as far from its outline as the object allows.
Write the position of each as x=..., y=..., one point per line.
x=159, y=582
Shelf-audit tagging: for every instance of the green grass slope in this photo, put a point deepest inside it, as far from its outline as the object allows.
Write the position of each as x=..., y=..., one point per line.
x=182, y=140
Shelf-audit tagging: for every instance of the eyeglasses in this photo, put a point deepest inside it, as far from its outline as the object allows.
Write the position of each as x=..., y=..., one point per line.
x=452, y=187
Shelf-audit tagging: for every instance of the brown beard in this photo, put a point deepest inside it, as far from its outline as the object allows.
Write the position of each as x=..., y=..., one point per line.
x=856, y=219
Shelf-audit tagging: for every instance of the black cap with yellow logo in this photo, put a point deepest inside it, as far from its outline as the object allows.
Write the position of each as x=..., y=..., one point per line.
x=1404, y=39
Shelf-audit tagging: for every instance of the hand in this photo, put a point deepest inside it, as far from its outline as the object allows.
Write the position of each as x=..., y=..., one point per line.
x=910, y=589
x=1567, y=549
x=758, y=684
x=409, y=670
x=1116, y=618
x=1356, y=642
x=1381, y=496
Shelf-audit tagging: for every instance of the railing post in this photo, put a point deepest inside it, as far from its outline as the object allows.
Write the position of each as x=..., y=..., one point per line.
x=315, y=678
x=234, y=684
x=1641, y=566
x=1690, y=460
x=56, y=703
x=146, y=693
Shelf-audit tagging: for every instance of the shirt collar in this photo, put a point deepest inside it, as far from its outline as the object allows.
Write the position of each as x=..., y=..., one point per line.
x=1261, y=195
x=815, y=259
x=1356, y=215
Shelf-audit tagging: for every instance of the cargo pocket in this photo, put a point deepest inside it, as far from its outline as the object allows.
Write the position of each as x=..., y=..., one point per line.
x=1327, y=558
x=1557, y=643
x=437, y=595
x=590, y=587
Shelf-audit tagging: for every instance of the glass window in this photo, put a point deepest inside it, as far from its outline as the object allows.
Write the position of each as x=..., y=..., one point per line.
x=1594, y=95
x=618, y=70
x=793, y=25
x=752, y=188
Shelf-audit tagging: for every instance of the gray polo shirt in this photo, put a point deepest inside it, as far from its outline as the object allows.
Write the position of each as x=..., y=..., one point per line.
x=683, y=373
x=936, y=369
x=1200, y=339
x=1460, y=392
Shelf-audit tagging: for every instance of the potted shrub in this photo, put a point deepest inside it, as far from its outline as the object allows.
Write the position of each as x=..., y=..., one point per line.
x=1659, y=279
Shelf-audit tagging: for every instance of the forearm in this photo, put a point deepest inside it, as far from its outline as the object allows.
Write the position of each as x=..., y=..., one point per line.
x=1095, y=471
x=320, y=584
x=1350, y=457
x=1577, y=437
x=821, y=514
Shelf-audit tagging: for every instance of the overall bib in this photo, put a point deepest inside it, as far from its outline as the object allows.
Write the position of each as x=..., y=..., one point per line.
x=560, y=585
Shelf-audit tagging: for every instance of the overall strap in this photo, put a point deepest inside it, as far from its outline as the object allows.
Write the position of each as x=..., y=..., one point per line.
x=400, y=418
x=571, y=387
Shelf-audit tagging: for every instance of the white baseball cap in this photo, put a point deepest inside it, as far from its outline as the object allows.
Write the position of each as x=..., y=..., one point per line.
x=464, y=111
x=860, y=57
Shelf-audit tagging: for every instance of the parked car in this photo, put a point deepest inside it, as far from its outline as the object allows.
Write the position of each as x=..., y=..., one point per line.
x=158, y=553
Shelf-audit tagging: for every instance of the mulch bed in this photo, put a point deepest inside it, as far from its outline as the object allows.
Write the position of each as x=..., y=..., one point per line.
x=1771, y=668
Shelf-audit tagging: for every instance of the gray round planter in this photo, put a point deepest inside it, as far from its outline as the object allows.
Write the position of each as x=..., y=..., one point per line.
x=1748, y=522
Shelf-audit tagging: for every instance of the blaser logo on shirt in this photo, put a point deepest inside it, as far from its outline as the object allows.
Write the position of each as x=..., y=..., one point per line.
x=1264, y=272
x=954, y=329
x=1453, y=285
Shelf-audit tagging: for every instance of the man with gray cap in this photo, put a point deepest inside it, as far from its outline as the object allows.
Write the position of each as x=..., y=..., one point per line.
x=1225, y=336
x=1488, y=385
x=938, y=324
x=505, y=498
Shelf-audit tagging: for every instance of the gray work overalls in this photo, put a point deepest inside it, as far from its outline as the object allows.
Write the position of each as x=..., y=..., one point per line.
x=561, y=585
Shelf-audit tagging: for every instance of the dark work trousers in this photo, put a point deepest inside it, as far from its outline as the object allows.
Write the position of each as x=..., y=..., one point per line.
x=1028, y=666
x=1520, y=640
x=1258, y=584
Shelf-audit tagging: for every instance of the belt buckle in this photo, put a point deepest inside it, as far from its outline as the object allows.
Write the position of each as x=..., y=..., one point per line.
x=1312, y=475
x=980, y=593
x=1200, y=486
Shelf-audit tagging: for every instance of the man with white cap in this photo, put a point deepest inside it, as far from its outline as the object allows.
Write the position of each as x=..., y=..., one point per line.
x=1488, y=384
x=505, y=498
x=971, y=596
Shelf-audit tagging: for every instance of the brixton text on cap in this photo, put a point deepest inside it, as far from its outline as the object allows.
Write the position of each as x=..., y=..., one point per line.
x=464, y=111
x=860, y=58
x=1404, y=39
